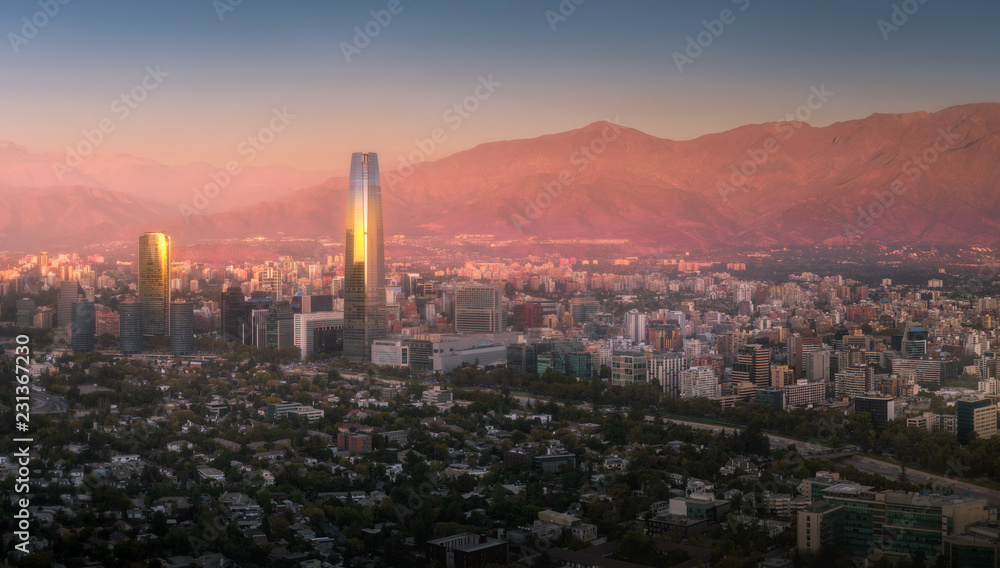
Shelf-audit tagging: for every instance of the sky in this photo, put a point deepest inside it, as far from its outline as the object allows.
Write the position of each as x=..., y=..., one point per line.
x=297, y=81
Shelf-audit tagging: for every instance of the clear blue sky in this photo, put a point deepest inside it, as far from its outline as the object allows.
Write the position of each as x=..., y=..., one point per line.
x=607, y=59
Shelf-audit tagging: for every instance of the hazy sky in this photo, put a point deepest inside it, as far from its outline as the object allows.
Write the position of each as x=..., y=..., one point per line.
x=606, y=59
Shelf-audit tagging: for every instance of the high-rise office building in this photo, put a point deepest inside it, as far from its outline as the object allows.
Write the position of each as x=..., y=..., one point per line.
x=479, y=309
x=364, y=260
x=754, y=365
x=281, y=326
x=817, y=365
x=69, y=292
x=232, y=323
x=181, y=328
x=798, y=345
x=25, y=312
x=412, y=284
x=915, y=340
x=580, y=365
x=881, y=408
x=43, y=263
x=84, y=326
x=522, y=359
x=582, y=306
x=258, y=325
x=130, y=327
x=976, y=418
x=154, y=283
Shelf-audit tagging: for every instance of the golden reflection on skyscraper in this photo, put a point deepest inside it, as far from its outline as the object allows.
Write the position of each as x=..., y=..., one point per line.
x=154, y=283
x=364, y=260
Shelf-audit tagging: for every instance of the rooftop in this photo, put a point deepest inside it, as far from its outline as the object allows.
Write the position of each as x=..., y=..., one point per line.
x=847, y=489
x=820, y=507
x=466, y=542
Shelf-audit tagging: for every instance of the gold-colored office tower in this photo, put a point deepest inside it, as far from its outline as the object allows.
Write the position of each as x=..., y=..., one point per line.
x=364, y=260
x=154, y=283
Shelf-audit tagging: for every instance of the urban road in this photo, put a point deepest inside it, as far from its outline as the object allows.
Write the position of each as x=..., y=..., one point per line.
x=45, y=404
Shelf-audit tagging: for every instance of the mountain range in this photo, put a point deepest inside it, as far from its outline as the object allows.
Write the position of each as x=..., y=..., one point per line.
x=917, y=178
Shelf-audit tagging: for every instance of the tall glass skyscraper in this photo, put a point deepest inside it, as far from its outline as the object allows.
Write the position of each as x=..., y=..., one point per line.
x=130, y=327
x=154, y=283
x=84, y=326
x=69, y=291
x=364, y=260
x=181, y=328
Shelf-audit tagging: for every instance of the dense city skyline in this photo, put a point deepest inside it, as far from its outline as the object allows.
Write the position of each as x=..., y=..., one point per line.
x=634, y=284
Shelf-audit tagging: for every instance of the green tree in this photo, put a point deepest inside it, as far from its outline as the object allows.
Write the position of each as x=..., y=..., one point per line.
x=859, y=427
x=159, y=522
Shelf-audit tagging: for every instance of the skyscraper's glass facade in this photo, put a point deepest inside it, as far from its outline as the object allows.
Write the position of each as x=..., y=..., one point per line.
x=364, y=260
x=181, y=328
x=154, y=283
x=130, y=327
x=84, y=326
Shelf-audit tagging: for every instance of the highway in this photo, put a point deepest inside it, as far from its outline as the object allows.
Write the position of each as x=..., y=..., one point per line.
x=871, y=466
x=776, y=441
x=864, y=464
x=46, y=404
x=938, y=481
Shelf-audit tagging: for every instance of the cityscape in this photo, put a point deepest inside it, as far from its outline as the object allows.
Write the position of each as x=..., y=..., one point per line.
x=661, y=286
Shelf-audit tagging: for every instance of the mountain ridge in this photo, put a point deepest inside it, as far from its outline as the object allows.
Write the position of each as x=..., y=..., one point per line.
x=768, y=184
